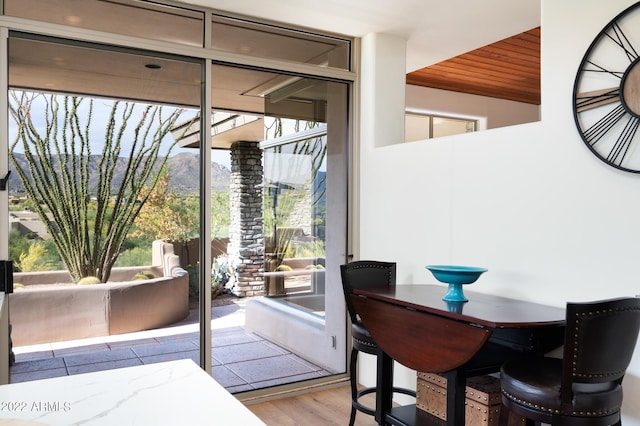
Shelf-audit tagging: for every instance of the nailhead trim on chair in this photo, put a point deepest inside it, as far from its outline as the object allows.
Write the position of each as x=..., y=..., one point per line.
x=371, y=265
x=368, y=266
x=580, y=315
x=556, y=411
x=529, y=404
x=366, y=343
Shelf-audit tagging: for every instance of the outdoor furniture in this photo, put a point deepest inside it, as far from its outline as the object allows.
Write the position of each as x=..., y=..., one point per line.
x=585, y=386
x=356, y=275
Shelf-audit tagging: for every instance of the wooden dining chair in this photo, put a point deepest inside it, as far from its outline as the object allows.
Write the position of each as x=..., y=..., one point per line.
x=585, y=386
x=358, y=275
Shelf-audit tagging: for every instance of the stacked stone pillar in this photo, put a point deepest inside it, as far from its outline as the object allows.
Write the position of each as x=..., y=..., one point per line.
x=246, y=237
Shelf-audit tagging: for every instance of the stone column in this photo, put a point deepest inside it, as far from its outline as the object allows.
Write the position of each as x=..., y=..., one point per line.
x=246, y=237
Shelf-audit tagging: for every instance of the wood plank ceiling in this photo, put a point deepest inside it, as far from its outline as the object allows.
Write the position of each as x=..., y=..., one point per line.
x=507, y=69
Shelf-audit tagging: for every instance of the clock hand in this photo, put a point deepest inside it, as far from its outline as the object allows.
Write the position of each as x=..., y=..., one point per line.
x=597, y=98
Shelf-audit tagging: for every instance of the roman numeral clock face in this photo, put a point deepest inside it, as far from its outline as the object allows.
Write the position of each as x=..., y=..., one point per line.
x=606, y=93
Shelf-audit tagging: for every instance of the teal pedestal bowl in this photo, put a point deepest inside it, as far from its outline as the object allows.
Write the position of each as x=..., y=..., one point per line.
x=456, y=277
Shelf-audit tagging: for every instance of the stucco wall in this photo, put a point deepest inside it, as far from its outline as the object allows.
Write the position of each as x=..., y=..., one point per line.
x=50, y=309
x=550, y=221
x=58, y=312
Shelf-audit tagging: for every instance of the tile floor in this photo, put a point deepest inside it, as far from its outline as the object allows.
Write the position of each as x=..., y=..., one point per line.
x=241, y=360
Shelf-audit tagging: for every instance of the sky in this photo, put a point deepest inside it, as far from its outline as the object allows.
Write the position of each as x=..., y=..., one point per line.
x=100, y=112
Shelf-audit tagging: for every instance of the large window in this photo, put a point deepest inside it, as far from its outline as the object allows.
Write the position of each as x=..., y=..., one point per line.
x=268, y=41
x=134, y=18
x=428, y=126
x=292, y=128
x=87, y=100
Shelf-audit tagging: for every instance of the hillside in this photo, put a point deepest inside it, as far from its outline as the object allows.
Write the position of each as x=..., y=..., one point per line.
x=184, y=174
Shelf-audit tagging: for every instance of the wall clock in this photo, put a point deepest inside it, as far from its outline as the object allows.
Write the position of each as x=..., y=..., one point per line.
x=606, y=93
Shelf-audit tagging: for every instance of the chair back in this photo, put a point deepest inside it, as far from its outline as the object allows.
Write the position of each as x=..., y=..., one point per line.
x=365, y=274
x=599, y=342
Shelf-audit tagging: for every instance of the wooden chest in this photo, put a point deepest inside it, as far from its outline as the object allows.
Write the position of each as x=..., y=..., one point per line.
x=483, y=400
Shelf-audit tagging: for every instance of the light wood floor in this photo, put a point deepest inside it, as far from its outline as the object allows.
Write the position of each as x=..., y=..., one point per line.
x=327, y=407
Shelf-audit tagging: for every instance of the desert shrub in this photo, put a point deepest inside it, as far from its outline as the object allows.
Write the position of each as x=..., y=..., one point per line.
x=148, y=274
x=310, y=267
x=36, y=259
x=136, y=256
x=313, y=248
x=221, y=271
x=20, y=244
x=194, y=285
x=89, y=281
x=282, y=268
x=140, y=276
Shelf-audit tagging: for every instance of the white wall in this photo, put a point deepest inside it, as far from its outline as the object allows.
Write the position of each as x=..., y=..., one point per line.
x=550, y=221
x=492, y=112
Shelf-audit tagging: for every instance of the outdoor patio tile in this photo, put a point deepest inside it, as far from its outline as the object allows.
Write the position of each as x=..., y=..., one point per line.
x=233, y=320
x=131, y=343
x=235, y=338
x=41, y=364
x=180, y=336
x=37, y=375
x=275, y=347
x=226, y=377
x=221, y=311
x=152, y=359
x=259, y=370
x=311, y=366
x=99, y=357
x=243, y=352
x=88, y=342
x=225, y=330
x=101, y=366
x=98, y=347
x=251, y=361
x=31, y=356
x=164, y=348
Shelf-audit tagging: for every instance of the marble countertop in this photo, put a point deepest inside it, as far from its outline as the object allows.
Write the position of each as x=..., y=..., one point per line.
x=168, y=393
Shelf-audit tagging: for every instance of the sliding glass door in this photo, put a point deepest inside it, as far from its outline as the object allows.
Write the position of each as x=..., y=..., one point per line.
x=100, y=205
x=179, y=184
x=287, y=137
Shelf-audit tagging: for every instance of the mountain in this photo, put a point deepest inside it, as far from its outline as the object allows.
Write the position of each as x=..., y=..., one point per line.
x=185, y=175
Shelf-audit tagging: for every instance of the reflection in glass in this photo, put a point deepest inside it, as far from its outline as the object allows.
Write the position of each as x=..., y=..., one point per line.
x=127, y=17
x=268, y=41
x=98, y=189
x=286, y=127
x=295, y=211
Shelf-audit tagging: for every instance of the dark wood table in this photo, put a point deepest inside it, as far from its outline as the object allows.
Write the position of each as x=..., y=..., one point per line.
x=414, y=326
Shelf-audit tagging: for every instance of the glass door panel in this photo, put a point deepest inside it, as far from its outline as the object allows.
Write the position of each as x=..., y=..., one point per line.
x=104, y=202
x=286, y=137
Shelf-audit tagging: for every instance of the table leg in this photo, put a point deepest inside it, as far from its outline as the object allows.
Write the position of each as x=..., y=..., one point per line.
x=384, y=379
x=456, y=384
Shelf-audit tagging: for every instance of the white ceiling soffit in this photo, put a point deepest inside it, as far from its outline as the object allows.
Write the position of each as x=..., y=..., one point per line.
x=434, y=30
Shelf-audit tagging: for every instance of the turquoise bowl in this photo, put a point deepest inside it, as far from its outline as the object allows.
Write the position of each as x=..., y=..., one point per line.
x=456, y=276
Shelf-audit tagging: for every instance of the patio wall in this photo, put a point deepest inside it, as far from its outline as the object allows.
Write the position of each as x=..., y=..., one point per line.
x=50, y=308
x=57, y=312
